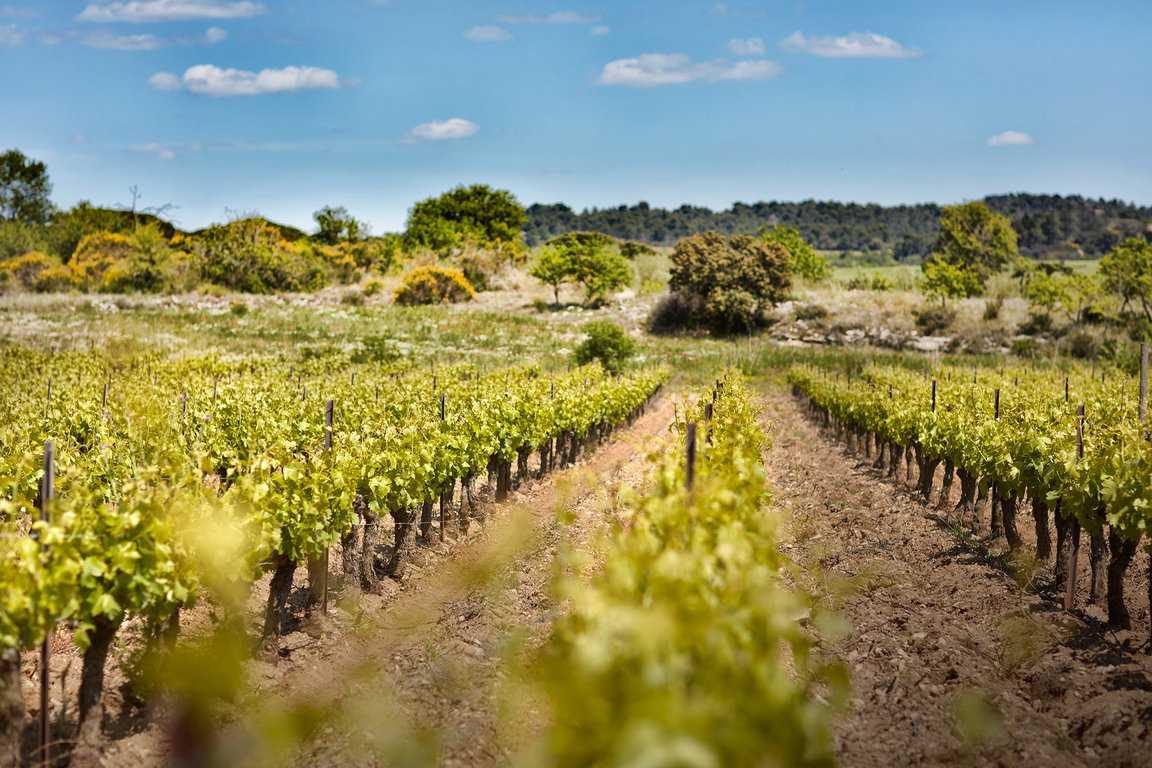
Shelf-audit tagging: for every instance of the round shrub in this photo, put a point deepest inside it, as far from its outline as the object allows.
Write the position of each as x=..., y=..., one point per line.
x=433, y=285
x=606, y=342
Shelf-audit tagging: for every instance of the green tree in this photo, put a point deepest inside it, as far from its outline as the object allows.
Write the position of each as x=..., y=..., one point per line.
x=337, y=225
x=802, y=257
x=1047, y=290
x=729, y=283
x=972, y=237
x=476, y=216
x=606, y=342
x=24, y=189
x=949, y=281
x=552, y=267
x=593, y=262
x=1127, y=270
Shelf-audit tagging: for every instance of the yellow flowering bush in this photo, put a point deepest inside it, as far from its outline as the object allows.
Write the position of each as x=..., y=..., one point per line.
x=434, y=285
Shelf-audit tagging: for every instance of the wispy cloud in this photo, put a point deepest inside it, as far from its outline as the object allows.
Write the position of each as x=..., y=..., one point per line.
x=487, y=34
x=142, y=11
x=1009, y=138
x=559, y=17
x=653, y=69
x=17, y=12
x=164, y=81
x=858, y=45
x=601, y=29
x=109, y=40
x=735, y=11
x=753, y=46
x=163, y=151
x=10, y=35
x=155, y=149
x=210, y=80
x=448, y=130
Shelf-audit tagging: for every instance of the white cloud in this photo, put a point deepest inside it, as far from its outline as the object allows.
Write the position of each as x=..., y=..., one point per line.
x=109, y=40
x=487, y=34
x=214, y=35
x=753, y=46
x=10, y=35
x=139, y=11
x=559, y=17
x=165, y=151
x=652, y=69
x=210, y=80
x=164, y=81
x=601, y=30
x=1009, y=138
x=858, y=45
x=78, y=138
x=453, y=128
x=156, y=149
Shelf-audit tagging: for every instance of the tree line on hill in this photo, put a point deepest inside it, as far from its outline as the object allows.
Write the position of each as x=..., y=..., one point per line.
x=1048, y=226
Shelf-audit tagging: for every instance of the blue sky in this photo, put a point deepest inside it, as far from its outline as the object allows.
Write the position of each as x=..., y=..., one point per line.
x=225, y=107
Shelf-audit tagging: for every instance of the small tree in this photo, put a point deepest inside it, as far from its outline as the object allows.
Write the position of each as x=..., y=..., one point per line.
x=337, y=225
x=1046, y=290
x=803, y=259
x=729, y=283
x=1127, y=270
x=972, y=237
x=948, y=280
x=486, y=217
x=24, y=189
x=552, y=267
x=608, y=343
x=592, y=261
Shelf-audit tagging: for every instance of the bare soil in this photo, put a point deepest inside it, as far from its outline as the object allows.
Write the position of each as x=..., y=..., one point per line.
x=959, y=654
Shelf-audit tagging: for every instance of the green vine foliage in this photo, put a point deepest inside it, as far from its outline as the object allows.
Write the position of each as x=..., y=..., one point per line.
x=206, y=471
x=686, y=649
x=1029, y=446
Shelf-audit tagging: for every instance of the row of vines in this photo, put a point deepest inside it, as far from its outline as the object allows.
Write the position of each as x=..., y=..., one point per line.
x=688, y=648
x=1072, y=443
x=171, y=478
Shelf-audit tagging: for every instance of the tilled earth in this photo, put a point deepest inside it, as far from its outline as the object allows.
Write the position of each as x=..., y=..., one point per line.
x=958, y=654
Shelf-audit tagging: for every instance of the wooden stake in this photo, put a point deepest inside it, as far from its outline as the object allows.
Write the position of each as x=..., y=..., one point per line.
x=47, y=491
x=1074, y=550
x=328, y=408
x=933, y=395
x=1143, y=409
x=690, y=464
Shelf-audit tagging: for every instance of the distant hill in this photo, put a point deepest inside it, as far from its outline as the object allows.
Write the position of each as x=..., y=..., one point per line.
x=1049, y=226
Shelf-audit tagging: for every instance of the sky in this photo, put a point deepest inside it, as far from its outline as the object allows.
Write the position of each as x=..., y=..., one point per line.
x=221, y=108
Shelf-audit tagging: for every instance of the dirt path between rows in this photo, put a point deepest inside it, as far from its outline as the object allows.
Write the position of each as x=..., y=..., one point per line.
x=957, y=657
x=429, y=672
